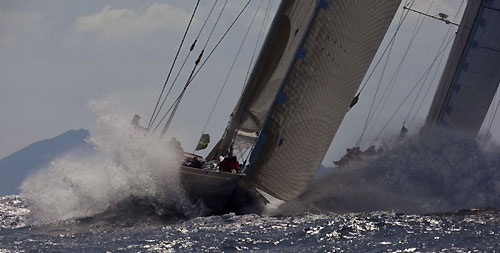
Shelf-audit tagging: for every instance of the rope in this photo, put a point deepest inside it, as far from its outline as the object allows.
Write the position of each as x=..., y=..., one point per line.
x=383, y=53
x=220, y=40
x=434, y=75
x=194, y=74
x=426, y=76
x=388, y=90
x=184, y=62
x=413, y=89
x=230, y=70
x=389, y=46
x=375, y=96
x=178, y=101
x=173, y=63
x=433, y=79
x=440, y=18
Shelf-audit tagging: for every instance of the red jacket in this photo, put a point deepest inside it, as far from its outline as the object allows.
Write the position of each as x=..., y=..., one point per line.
x=228, y=166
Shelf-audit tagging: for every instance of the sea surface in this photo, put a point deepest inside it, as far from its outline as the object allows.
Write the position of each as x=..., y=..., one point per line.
x=460, y=231
x=435, y=192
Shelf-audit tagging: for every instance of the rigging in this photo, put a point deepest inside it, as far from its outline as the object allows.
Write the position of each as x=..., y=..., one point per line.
x=411, y=91
x=183, y=63
x=230, y=69
x=177, y=101
x=441, y=16
x=403, y=17
x=389, y=46
x=434, y=75
x=173, y=63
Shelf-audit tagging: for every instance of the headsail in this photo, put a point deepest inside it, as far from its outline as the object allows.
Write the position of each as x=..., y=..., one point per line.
x=341, y=40
x=472, y=73
x=278, y=52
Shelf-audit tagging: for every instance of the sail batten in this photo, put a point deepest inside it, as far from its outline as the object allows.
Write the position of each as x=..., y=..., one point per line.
x=341, y=41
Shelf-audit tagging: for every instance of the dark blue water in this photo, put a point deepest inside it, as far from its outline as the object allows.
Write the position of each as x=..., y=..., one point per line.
x=461, y=231
x=435, y=193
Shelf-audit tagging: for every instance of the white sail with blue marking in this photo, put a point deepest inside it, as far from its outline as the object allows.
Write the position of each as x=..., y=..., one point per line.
x=472, y=73
x=338, y=44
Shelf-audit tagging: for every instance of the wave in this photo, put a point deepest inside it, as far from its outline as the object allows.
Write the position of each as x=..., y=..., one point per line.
x=126, y=166
x=436, y=171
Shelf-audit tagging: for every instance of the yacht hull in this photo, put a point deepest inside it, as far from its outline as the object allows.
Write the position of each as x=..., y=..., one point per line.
x=216, y=190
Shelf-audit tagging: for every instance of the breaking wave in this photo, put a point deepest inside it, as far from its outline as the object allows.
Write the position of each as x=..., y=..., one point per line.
x=434, y=172
x=127, y=169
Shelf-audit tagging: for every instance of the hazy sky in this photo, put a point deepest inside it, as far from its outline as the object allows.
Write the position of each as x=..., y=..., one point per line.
x=57, y=55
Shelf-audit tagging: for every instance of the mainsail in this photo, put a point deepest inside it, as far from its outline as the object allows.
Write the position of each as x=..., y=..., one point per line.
x=472, y=73
x=311, y=65
x=336, y=51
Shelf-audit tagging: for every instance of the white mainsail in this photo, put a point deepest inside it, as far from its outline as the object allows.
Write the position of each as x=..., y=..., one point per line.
x=311, y=64
x=342, y=39
x=472, y=73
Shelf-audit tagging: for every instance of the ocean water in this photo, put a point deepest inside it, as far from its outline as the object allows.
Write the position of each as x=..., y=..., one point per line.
x=379, y=231
x=436, y=192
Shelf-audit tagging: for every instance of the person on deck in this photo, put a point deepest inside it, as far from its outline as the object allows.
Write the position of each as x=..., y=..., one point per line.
x=371, y=151
x=352, y=154
x=229, y=164
x=193, y=162
x=356, y=152
x=135, y=123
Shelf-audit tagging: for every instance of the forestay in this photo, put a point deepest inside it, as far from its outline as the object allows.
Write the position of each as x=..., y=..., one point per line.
x=341, y=40
x=472, y=73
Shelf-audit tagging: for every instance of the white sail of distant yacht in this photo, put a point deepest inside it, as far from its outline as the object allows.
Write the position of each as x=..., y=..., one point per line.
x=472, y=73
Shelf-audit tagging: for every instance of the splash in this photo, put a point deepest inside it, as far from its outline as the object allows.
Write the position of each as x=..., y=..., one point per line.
x=127, y=164
x=437, y=171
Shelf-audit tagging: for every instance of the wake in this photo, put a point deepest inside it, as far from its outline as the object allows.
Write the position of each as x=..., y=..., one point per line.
x=128, y=171
x=431, y=173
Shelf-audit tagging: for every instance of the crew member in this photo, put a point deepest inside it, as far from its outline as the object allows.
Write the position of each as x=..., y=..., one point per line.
x=229, y=164
x=135, y=123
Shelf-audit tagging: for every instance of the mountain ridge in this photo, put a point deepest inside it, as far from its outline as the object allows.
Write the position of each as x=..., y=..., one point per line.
x=15, y=167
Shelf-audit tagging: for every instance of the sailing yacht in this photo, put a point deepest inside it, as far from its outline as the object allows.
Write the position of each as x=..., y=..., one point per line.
x=469, y=80
x=309, y=69
x=472, y=73
x=311, y=64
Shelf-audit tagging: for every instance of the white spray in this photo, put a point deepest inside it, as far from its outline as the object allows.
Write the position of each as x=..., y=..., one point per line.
x=438, y=171
x=127, y=164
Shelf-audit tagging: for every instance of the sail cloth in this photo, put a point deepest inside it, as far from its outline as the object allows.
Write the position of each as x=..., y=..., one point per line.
x=472, y=72
x=337, y=49
x=280, y=56
x=275, y=58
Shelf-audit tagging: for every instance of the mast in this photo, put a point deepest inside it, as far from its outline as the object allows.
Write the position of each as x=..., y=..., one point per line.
x=472, y=73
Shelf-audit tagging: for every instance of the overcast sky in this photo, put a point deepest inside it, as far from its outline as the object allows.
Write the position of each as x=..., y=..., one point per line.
x=58, y=55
